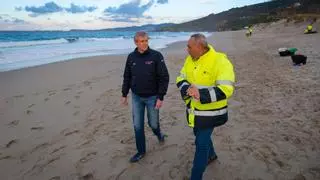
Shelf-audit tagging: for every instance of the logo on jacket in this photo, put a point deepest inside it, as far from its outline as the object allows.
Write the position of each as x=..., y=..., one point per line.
x=148, y=62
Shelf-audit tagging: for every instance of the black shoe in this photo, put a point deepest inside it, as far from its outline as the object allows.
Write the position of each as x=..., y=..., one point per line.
x=212, y=158
x=137, y=157
x=162, y=138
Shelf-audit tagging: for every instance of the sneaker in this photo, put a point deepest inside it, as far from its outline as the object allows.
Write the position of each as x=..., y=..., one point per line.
x=162, y=138
x=137, y=157
x=212, y=158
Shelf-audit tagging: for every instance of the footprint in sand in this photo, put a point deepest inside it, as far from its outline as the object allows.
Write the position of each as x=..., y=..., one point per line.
x=5, y=157
x=174, y=172
x=299, y=177
x=87, y=83
x=263, y=112
x=8, y=145
x=29, y=111
x=19, y=96
x=77, y=97
x=55, y=178
x=14, y=123
x=46, y=99
x=51, y=91
x=76, y=113
x=68, y=102
x=129, y=140
x=227, y=140
x=67, y=132
x=282, y=165
x=57, y=149
x=35, y=94
x=39, y=146
x=66, y=89
x=51, y=94
x=88, y=176
x=88, y=157
x=30, y=105
x=37, y=128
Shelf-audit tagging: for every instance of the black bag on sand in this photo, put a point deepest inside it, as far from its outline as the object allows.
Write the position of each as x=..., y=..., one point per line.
x=299, y=59
x=285, y=53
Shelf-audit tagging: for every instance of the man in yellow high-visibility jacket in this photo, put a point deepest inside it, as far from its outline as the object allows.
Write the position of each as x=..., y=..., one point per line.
x=206, y=82
x=308, y=29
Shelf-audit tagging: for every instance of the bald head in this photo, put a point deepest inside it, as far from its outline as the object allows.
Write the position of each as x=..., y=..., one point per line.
x=200, y=40
x=197, y=45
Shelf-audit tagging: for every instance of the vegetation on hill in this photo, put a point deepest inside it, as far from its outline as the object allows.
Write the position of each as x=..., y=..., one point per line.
x=237, y=18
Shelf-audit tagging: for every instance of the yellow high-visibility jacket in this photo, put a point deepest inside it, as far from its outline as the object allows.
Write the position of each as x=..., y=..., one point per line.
x=213, y=75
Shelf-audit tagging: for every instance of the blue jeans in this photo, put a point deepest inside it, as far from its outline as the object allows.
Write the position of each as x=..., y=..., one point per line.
x=204, y=150
x=139, y=104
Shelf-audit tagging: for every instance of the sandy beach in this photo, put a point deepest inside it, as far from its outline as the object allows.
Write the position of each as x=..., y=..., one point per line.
x=64, y=121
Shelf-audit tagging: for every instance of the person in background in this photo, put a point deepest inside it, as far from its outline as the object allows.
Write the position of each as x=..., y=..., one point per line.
x=249, y=31
x=206, y=83
x=309, y=29
x=147, y=76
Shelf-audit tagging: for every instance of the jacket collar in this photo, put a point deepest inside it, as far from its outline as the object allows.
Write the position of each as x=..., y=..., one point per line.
x=211, y=50
x=144, y=53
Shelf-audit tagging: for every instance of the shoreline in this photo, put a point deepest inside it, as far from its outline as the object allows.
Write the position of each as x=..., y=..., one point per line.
x=159, y=44
x=89, y=57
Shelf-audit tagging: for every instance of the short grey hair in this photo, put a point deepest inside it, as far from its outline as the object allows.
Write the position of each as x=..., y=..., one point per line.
x=200, y=39
x=140, y=34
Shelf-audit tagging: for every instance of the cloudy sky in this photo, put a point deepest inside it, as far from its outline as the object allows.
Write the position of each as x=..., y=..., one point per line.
x=97, y=14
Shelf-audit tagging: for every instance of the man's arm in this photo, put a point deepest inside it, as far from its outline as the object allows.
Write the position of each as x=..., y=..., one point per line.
x=162, y=77
x=126, y=78
x=183, y=84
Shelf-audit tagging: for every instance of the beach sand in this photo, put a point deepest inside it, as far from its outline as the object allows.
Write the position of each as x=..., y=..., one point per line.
x=64, y=120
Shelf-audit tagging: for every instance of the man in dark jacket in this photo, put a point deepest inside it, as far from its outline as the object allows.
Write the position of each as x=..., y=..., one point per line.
x=147, y=76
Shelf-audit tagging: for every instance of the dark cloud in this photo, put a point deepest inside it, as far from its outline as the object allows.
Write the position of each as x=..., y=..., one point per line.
x=80, y=9
x=52, y=7
x=49, y=7
x=132, y=8
x=131, y=11
x=162, y=1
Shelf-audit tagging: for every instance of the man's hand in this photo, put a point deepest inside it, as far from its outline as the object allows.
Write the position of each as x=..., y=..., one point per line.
x=158, y=104
x=124, y=101
x=193, y=91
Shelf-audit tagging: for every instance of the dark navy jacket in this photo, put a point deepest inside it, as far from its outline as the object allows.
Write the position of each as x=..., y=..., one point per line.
x=145, y=74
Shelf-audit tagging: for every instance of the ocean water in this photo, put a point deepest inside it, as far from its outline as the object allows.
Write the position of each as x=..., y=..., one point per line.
x=20, y=49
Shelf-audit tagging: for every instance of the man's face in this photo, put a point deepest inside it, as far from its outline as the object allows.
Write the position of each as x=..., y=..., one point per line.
x=193, y=49
x=141, y=43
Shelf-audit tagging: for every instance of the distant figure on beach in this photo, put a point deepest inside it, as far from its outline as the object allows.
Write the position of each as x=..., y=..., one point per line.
x=249, y=31
x=206, y=82
x=309, y=29
x=147, y=76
